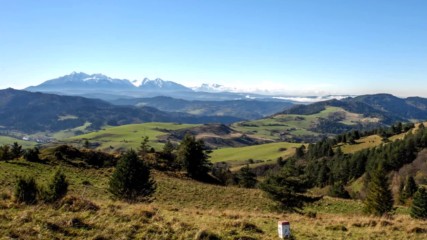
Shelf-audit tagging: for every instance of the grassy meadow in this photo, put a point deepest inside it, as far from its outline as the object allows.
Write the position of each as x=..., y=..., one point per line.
x=263, y=152
x=128, y=136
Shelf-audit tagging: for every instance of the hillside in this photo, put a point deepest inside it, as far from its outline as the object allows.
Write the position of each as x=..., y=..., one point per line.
x=30, y=112
x=312, y=122
x=181, y=210
x=306, y=127
x=386, y=107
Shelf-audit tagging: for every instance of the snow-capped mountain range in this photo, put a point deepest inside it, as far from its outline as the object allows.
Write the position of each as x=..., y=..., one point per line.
x=83, y=81
x=107, y=88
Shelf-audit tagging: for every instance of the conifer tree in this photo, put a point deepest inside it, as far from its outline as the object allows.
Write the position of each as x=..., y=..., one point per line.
x=5, y=153
x=287, y=187
x=379, y=199
x=410, y=188
x=247, y=178
x=193, y=157
x=419, y=204
x=131, y=180
x=16, y=150
x=144, y=147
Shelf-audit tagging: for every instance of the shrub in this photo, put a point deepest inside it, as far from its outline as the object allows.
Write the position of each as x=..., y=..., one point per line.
x=26, y=190
x=32, y=154
x=56, y=189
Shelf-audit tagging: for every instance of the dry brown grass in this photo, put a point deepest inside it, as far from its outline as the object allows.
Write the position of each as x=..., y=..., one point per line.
x=185, y=209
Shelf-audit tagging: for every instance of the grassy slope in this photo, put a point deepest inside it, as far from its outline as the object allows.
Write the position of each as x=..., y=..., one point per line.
x=129, y=136
x=10, y=140
x=293, y=124
x=373, y=141
x=180, y=209
x=270, y=151
x=362, y=143
x=60, y=135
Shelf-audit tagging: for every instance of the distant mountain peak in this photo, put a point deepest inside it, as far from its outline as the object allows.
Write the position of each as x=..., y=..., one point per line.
x=212, y=87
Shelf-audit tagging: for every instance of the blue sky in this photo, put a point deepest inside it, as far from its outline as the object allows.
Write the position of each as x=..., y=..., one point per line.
x=295, y=46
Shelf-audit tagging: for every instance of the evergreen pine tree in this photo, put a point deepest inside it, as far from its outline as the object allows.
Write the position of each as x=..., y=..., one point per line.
x=410, y=188
x=86, y=144
x=5, y=153
x=16, y=150
x=193, y=157
x=168, y=148
x=247, y=178
x=131, y=179
x=419, y=204
x=299, y=152
x=379, y=199
x=144, y=147
x=287, y=187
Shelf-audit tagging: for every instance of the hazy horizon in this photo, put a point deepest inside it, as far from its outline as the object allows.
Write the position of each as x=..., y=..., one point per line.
x=297, y=48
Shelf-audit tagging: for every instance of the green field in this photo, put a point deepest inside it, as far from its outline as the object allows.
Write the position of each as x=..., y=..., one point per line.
x=264, y=152
x=128, y=136
x=10, y=140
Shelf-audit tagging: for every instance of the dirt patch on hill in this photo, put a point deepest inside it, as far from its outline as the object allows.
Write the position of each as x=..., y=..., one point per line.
x=215, y=136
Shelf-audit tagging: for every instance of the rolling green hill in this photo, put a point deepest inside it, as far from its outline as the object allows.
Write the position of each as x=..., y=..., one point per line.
x=128, y=136
x=306, y=128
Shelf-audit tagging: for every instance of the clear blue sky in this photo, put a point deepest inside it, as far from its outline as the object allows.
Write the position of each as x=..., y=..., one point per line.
x=301, y=46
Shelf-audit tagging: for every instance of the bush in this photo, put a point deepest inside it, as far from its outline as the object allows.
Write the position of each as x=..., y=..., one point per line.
x=32, y=154
x=56, y=189
x=26, y=190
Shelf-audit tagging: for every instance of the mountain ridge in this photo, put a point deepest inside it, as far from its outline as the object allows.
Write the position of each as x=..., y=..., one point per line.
x=31, y=112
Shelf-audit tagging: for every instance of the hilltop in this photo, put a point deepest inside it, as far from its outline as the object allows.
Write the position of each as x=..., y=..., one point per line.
x=312, y=122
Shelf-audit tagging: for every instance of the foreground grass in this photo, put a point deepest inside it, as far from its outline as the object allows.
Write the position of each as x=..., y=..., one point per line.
x=182, y=209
